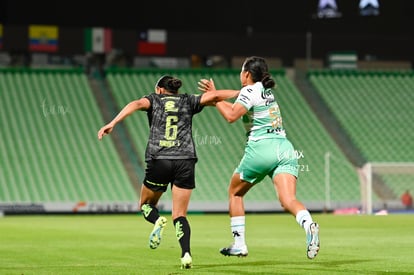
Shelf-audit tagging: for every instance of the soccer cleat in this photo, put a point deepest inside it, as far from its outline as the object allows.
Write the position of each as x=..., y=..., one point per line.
x=186, y=261
x=234, y=251
x=156, y=234
x=312, y=241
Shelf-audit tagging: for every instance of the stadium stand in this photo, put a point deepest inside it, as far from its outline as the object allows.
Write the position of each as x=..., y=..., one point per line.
x=50, y=152
x=49, y=146
x=220, y=145
x=375, y=108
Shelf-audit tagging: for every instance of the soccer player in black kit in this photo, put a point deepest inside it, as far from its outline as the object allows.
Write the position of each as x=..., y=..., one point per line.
x=170, y=154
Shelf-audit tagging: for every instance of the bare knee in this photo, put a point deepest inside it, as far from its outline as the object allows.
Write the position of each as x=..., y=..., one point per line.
x=291, y=205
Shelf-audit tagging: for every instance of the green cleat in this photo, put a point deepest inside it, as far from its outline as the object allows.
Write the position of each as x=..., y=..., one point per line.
x=156, y=234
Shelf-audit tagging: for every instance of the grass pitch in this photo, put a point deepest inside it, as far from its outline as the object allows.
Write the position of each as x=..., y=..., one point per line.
x=118, y=244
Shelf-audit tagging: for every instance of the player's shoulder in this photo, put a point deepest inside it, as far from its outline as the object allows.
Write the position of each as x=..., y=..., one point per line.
x=252, y=87
x=251, y=91
x=191, y=97
x=151, y=96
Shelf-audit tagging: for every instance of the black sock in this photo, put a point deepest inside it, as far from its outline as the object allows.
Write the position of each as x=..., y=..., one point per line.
x=150, y=212
x=183, y=233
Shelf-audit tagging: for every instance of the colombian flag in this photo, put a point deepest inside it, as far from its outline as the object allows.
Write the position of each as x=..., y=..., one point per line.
x=43, y=38
x=1, y=36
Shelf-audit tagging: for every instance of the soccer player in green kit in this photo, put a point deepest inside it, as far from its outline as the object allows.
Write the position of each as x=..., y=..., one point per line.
x=268, y=152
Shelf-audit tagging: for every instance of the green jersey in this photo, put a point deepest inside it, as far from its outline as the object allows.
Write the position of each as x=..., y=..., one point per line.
x=263, y=119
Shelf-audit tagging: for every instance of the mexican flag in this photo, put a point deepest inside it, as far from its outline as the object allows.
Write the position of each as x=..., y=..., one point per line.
x=98, y=40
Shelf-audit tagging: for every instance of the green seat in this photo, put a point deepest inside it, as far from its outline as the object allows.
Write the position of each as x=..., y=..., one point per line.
x=220, y=145
x=50, y=150
x=376, y=111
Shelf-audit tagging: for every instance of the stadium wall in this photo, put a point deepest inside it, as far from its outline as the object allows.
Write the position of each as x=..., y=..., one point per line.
x=286, y=46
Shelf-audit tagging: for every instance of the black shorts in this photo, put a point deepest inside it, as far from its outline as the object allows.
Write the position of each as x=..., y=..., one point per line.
x=161, y=172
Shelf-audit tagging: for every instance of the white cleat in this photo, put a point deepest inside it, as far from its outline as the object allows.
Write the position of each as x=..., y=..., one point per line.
x=186, y=261
x=312, y=241
x=234, y=251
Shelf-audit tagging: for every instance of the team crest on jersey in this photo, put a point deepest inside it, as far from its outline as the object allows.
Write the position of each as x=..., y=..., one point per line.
x=169, y=106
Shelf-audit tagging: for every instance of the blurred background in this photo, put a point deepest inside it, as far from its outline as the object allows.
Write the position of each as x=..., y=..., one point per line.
x=212, y=34
x=345, y=84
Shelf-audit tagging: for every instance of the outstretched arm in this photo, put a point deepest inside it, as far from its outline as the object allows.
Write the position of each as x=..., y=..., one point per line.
x=211, y=96
x=231, y=112
x=140, y=104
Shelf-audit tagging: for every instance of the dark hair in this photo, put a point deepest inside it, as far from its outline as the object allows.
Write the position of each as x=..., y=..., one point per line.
x=257, y=67
x=169, y=83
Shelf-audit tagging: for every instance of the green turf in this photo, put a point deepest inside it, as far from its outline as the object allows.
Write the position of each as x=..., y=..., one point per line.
x=118, y=244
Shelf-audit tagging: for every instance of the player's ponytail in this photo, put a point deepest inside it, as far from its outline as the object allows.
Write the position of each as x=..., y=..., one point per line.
x=169, y=83
x=268, y=81
x=258, y=69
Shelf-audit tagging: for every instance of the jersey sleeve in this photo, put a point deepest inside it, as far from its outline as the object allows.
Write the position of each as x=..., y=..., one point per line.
x=150, y=98
x=195, y=103
x=245, y=97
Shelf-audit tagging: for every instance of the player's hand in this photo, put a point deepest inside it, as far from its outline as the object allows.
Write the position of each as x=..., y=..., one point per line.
x=107, y=129
x=206, y=85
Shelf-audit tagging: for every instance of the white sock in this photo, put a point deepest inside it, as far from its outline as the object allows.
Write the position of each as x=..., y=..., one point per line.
x=237, y=229
x=304, y=219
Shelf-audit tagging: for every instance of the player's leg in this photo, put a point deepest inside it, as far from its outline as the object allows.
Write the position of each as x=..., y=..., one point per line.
x=148, y=201
x=181, y=199
x=250, y=171
x=285, y=185
x=155, y=184
x=183, y=185
x=237, y=189
x=284, y=180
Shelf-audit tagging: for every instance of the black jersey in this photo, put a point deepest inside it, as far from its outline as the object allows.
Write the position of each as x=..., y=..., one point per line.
x=170, y=118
